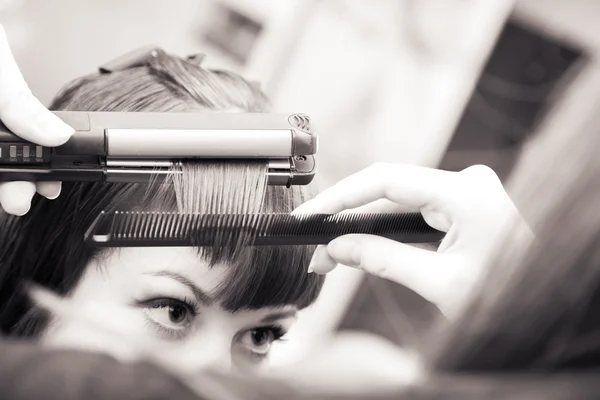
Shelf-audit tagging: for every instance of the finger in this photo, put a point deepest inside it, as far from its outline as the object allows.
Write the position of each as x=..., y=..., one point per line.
x=333, y=367
x=50, y=190
x=20, y=111
x=93, y=327
x=99, y=317
x=410, y=186
x=381, y=206
x=112, y=332
x=321, y=262
x=82, y=333
x=15, y=197
x=427, y=272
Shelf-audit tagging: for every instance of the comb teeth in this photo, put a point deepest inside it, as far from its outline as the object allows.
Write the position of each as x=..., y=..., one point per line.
x=139, y=229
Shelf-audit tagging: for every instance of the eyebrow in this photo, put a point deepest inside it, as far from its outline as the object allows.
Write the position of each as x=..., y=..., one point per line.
x=277, y=316
x=199, y=294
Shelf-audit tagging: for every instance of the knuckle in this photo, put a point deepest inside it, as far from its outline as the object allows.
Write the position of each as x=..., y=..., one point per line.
x=480, y=173
x=382, y=173
x=374, y=263
x=378, y=269
x=379, y=166
x=479, y=169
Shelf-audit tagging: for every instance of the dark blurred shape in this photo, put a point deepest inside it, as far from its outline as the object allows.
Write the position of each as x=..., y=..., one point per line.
x=530, y=386
x=232, y=32
x=29, y=372
x=511, y=96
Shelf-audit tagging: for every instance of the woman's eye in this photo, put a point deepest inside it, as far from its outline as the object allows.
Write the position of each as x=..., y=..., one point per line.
x=169, y=313
x=259, y=340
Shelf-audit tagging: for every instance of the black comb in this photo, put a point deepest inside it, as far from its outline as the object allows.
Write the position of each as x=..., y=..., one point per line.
x=171, y=229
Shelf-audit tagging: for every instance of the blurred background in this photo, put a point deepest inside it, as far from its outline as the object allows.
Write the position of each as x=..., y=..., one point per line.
x=440, y=83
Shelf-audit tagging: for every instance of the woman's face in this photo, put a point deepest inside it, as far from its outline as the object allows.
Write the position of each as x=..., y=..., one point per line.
x=167, y=294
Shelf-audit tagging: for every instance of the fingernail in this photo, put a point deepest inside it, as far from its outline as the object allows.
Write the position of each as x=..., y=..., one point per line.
x=345, y=251
x=303, y=208
x=41, y=296
x=297, y=211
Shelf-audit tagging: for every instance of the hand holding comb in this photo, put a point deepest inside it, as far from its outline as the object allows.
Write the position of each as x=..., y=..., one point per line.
x=172, y=229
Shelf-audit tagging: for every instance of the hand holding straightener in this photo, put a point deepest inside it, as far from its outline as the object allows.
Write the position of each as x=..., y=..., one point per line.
x=24, y=115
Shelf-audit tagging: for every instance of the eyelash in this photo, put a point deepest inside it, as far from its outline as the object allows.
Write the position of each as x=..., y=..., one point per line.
x=189, y=304
x=164, y=302
x=277, y=331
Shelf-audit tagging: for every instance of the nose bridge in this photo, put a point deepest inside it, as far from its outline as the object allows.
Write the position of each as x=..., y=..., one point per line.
x=211, y=348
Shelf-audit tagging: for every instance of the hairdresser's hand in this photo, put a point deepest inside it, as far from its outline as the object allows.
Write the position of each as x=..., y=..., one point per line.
x=105, y=329
x=26, y=117
x=350, y=363
x=471, y=206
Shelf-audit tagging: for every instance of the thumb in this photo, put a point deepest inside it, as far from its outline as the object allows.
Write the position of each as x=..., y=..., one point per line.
x=20, y=110
x=424, y=271
x=27, y=118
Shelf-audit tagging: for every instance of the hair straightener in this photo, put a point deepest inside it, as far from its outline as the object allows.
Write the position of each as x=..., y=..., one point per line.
x=143, y=147
x=138, y=147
